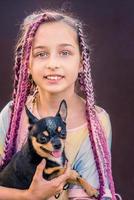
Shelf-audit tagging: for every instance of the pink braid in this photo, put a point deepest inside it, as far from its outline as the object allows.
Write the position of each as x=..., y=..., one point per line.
x=21, y=93
x=98, y=139
x=89, y=108
x=16, y=70
x=14, y=95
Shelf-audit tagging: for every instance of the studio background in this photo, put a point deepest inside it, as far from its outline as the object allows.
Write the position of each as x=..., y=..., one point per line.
x=111, y=37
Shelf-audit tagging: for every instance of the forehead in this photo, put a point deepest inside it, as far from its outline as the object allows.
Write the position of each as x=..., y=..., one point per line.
x=55, y=33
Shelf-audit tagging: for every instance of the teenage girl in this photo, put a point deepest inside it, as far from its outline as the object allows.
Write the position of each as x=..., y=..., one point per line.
x=51, y=58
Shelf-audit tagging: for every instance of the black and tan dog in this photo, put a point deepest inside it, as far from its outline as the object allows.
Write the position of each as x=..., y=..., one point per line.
x=46, y=139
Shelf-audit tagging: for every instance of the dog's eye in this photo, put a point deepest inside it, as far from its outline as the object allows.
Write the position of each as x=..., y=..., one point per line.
x=63, y=134
x=59, y=129
x=41, y=138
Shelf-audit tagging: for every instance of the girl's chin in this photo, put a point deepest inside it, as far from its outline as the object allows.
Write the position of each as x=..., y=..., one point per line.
x=52, y=90
x=57, y=89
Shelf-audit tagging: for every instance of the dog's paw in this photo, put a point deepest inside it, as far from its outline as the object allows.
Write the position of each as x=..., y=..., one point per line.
x=93, y=192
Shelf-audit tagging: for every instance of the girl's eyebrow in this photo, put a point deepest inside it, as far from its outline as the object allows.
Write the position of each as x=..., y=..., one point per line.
x=66, y=44
x=60, y=45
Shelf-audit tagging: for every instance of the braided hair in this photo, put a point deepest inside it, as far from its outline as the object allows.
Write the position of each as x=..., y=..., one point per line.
x=22, y=88
x=97, y=137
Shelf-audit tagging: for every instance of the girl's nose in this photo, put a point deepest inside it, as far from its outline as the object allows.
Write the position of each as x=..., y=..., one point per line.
x=52, y=67
x=52, y=63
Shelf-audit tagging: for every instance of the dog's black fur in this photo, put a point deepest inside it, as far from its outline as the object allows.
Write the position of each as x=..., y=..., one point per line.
x=20, y=170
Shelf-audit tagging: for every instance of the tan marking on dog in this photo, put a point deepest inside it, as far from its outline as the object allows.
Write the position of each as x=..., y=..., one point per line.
x=92, y=192
x=45, y=133
x=51, y=170
x=38, y=150
x=59, y=129
x=47, y=146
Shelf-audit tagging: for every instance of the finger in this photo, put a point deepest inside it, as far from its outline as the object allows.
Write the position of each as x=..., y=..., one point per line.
x=62, y=178
x=67, y=170
x=40, y=168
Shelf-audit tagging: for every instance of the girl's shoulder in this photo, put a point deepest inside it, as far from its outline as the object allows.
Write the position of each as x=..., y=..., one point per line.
x=5, y=117
x=104, y=119
x=105, y=122
x=100, y=110
x=6, y=110
x=102, y=114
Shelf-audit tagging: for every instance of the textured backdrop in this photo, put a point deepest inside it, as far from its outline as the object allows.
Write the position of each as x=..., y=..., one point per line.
x=111, y=38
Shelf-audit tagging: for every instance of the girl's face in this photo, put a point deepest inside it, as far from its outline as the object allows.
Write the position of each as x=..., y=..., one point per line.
x=55, y=58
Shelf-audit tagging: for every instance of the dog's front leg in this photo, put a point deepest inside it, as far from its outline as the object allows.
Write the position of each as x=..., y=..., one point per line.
x=75, y=178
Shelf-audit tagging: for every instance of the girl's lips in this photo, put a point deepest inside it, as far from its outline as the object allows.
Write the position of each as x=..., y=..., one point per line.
x=53, y=78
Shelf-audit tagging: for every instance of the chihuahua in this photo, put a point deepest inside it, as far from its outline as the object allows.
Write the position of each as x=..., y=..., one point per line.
x=46, y=139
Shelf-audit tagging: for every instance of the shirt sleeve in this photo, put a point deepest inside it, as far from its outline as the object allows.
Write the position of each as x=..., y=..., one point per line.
x=86, y=166
x=4, y=124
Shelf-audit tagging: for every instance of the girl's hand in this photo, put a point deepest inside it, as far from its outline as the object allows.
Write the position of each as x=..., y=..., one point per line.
x=41, y=189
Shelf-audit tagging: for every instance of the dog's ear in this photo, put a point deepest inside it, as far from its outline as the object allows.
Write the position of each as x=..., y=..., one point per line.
x=32, y=119
x=63, y=110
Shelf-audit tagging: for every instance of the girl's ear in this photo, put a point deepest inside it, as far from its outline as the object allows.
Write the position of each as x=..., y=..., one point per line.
x=32, y=119
x=28, y=70
x=81, y=66
x=63, y=110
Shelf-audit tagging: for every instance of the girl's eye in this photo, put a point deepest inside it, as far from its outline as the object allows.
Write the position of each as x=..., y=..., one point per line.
x=41, y=54
x=65, y=53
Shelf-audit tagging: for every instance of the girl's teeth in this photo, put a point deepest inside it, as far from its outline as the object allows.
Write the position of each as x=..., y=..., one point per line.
x=53, y=77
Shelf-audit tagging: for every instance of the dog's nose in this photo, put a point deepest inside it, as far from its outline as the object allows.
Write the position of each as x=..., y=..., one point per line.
x=57, y=145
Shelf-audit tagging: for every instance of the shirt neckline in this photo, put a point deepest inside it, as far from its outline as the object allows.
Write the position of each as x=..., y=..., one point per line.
x=77, y=128
x=68, y=130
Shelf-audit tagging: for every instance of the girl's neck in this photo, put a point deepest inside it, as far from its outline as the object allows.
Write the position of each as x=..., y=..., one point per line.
x=47, y=105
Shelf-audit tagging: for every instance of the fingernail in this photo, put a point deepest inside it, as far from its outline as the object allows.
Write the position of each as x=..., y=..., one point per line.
x=66, y=186
x=43, y=161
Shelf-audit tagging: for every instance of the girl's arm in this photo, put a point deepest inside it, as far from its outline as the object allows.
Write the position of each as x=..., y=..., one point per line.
x=12, y=194
x=4, y=124
x=40, y=189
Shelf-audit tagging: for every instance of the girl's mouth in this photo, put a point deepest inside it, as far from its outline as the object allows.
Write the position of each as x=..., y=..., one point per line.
x=53, y=78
